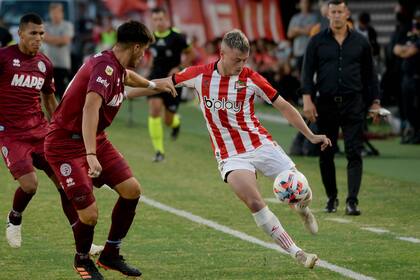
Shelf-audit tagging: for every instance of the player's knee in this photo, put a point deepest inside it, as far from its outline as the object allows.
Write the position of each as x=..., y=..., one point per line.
x=89, y=216
x=255, y=205
x=29, y=186
x=133, y=191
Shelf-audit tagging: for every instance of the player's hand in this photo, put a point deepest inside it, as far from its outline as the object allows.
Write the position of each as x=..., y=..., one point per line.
x=309, y=110
x=321, y=139
x=174, y=71
x=165, y=85
x=95, y=167
x=374, y=113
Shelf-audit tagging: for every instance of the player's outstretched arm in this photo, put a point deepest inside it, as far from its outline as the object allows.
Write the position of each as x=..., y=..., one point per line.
x=164, y=82
x=50, y=103
x=294, y=118
x=133, y=79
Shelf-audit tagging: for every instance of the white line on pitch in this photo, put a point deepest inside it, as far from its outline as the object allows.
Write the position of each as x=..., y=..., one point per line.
x=409, y=239
x=197, y=219
x=376, y=230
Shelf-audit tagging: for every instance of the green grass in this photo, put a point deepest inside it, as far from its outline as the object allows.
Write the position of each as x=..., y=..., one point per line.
x=165, y=246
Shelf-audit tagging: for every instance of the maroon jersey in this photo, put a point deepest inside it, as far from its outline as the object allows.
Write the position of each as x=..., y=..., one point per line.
x=102, y=74
x=22, y=78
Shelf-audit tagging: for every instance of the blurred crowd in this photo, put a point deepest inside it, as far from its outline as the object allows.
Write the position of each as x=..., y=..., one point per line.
x=280, y=62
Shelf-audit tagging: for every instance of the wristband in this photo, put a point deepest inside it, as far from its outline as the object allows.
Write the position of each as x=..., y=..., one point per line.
x=152, y=85
x=91, y=154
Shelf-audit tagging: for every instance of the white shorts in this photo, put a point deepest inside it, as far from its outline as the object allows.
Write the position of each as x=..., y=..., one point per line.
x=269, y=159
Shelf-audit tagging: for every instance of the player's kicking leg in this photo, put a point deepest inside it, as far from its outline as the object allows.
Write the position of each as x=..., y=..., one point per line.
x=122, y=218
x=23, y=195
x=244, y=184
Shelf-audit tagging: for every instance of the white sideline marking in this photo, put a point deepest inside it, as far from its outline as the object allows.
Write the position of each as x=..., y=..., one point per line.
x=375, y=230
x=271, y=117
x=197, y=219
x=339, y=220
x=409, y=239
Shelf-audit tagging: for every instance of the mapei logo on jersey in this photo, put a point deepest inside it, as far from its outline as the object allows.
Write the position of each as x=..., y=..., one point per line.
x=216, y=104
x=28, y=81
x=65, y=169
x=102, y=81
x=116, y=100
x=16, y=62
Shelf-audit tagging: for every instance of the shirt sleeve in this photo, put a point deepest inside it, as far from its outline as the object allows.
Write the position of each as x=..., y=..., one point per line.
x=309, y=68
x=69, y=30
x=100, y=80
x=369, y=75
x=49, y=86
x=263, y=88
x=187, y=77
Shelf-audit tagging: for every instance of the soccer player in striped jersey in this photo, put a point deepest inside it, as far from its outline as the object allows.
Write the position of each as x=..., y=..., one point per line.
x=226, y=90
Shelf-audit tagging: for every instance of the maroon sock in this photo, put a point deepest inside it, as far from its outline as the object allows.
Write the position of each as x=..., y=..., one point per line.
x=122, y=218
x=68, y=207
x=83, y=235
x=20, y=201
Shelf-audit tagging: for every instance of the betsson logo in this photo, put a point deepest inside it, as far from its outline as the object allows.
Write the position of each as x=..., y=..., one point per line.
x=215, y=104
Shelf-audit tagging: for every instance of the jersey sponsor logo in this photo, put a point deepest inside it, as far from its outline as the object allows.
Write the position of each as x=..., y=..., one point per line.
x=42, y=67
x=65, y=169
x=216, y=104
x=16, y=62
x=109, y=70
x=102, y=81
x=27, y=81
x=116, y=100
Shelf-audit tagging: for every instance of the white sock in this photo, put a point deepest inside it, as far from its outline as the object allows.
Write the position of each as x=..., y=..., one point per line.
x=269, y=223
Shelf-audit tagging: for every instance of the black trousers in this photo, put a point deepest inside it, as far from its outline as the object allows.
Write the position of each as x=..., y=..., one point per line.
x=347, y=112
x=61, y=80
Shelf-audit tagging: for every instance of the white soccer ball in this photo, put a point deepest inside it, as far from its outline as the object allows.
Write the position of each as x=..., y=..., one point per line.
x=290, y=187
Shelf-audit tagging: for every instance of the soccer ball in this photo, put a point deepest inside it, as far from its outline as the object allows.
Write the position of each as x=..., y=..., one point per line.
x=290, y=187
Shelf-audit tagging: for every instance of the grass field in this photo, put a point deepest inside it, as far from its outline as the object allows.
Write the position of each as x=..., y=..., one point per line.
x=167, y=246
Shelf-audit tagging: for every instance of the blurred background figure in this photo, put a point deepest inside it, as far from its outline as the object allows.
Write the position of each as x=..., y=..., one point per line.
x=58, y=37
x=366, y=29
x=408, y=49
x=299, y=30
x=5, y=36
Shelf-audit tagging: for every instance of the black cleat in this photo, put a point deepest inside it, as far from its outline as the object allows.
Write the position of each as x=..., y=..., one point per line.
x=117, y=263
x=332, y=205
x=87, y=269
x=158, y=157
x=352, y=210
x=175, y=132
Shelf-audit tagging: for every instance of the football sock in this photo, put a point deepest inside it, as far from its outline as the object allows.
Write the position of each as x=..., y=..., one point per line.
x=176, y=121
x=122, y=218
x=83, y=236
x=20, y=201
x=68, y=207
x=269, y=223
x=156, y=133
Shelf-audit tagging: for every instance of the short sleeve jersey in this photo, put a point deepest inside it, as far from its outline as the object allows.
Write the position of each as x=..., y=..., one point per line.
x=227, y=104
x=22, y=78
x=167, y=51
x=102, y=74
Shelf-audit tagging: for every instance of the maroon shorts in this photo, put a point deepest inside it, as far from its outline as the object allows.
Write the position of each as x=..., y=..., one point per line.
x=22, y=151
x=72, y=171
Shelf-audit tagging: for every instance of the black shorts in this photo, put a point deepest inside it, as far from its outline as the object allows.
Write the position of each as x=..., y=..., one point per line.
x=171, y=103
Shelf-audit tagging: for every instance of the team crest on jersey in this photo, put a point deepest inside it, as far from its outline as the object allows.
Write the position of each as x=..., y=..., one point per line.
x=65, y=169
x=240, y=85
x=109, y=70
x=16, y=62
x=42, y=67
x=4, y=151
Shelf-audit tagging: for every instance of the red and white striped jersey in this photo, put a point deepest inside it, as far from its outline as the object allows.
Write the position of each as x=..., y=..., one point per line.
x=227, y=103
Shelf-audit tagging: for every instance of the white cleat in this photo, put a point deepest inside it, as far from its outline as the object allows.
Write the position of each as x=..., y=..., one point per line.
x=308, y=219
x=13, y=234
x=306, y=259
x=96, y=250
